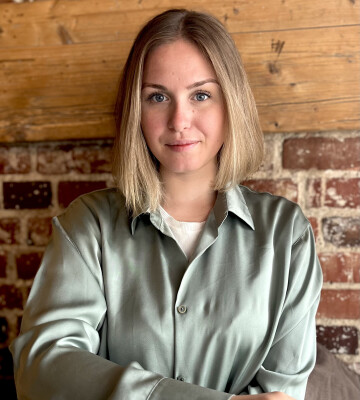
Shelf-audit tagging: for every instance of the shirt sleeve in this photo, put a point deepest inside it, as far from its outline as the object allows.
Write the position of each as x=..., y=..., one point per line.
x=292, y=356
x=57, y=355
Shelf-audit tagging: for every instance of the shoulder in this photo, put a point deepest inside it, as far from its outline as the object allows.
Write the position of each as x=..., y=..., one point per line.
x=92, y=210
x=275, y=213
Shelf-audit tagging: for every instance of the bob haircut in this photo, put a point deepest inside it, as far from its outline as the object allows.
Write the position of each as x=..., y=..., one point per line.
x=135, y=169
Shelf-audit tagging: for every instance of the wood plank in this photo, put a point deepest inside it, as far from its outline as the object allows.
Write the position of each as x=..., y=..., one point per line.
x=304, y=79
x=291, y=66
x=326, y=68
x=52, y=88
x=328, y=115
x=81, y=21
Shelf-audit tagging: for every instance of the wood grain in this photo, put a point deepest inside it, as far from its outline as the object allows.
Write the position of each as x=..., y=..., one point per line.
x=60, y=62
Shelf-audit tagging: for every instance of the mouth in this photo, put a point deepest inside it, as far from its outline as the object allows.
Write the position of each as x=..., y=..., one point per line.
x=182, y=145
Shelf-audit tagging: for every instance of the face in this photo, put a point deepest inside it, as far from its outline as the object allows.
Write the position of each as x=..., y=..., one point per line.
x=183, y=112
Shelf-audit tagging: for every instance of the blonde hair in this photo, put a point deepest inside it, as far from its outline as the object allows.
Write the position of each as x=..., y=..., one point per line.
x=134, y=167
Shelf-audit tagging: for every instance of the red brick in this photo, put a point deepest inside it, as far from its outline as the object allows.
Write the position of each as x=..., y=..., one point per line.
x=14, y=160
x=27, y=195
x=341, y=231
x=10, y=297
x=343, y=304
x=343, y=193
x=9, y=230
x=38, y=231
x=314, y=224
x=3, y=330
x=27, y=264
x=68, y=191
x=92, y=158
x=84, y=158
x=313, y=193
x=338, y=339
x=281, y=187
x=321, y=153
x=340, y=267
x=54, y=159
x=3, y=264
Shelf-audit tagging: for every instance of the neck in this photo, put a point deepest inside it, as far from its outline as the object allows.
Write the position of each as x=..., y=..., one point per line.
x=188, y=198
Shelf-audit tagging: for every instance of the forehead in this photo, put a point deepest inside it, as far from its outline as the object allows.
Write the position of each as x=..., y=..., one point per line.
x=179, y=60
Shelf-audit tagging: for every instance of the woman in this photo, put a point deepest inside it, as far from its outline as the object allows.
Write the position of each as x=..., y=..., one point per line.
x=182, y=284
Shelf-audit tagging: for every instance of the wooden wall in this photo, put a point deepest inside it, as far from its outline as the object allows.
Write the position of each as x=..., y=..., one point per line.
x=60, y=61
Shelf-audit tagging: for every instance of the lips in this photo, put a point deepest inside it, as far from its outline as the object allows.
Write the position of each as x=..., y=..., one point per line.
x=182, y=145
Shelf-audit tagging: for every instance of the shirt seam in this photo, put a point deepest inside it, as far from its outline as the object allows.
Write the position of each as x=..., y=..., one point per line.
x=63, y=231
x=155, y=386
x=301, y=236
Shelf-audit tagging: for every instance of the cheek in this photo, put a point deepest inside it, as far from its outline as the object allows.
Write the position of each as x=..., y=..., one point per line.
x=151, y=123
x=214, y=123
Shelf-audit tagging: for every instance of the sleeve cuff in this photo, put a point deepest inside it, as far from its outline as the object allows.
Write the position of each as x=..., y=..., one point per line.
x=173, y=389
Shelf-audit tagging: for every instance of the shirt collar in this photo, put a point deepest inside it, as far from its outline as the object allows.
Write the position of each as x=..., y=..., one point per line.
x=230, y=201
x=236, y=204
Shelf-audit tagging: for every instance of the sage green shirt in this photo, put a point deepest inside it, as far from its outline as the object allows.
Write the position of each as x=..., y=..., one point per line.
x=118, y=312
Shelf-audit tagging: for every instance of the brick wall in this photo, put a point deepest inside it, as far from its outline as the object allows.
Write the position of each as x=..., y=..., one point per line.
x=319, y=171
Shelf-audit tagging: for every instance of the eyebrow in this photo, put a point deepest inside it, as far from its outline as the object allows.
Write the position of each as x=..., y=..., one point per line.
x=193, y=85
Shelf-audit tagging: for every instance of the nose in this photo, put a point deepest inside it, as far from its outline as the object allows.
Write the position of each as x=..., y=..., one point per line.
x=179, y=117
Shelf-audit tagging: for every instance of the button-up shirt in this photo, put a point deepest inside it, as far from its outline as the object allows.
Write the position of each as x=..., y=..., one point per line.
x=117, y=311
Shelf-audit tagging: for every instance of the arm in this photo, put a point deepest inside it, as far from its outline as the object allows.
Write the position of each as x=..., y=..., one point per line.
x=293, y=352
x=264, y=396
x=57, y=354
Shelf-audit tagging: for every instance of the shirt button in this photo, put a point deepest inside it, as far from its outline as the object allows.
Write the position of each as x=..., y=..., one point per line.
x=182, y=309
x=180, y=378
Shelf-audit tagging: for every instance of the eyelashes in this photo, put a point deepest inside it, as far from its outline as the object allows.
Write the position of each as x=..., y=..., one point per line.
x=156, y=97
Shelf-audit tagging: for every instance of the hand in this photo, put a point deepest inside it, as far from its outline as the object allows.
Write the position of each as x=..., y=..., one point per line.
x=264, y=396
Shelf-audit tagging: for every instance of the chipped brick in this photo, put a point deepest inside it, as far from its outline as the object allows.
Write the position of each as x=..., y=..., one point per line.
x=340, y=267
x=92, y=158
x=342, y=193
x=281, y=187
x=54, y=159
x=9, y=230
x=27, y=195
x=38, y=231
x=338, y=339
x=14, y=160
x=27, y=264
x=69, y=191
x=313, y=193
x=341, y=231
x=321, y=153
x=340, y=303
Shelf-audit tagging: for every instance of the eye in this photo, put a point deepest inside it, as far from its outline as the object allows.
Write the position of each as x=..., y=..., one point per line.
x=157, y=97
x=202, y=96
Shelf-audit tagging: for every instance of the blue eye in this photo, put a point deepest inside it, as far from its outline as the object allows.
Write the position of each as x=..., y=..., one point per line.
x=202, y=96
x=157, y=97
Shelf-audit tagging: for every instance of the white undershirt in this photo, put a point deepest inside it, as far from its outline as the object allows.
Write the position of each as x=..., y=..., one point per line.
x=186, y=234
